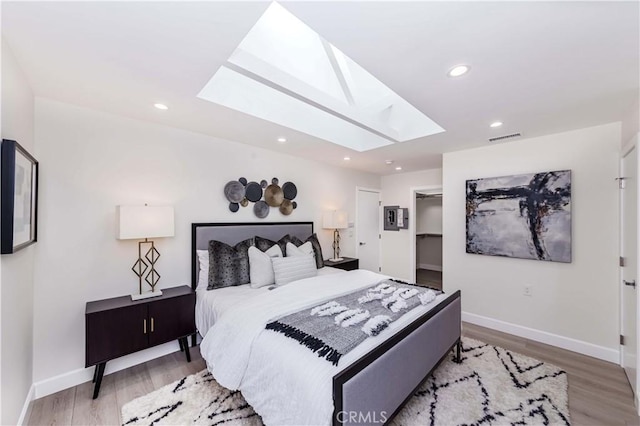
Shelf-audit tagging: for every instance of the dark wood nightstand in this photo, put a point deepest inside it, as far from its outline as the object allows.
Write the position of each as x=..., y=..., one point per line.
x=347, y=263
x=119, y=326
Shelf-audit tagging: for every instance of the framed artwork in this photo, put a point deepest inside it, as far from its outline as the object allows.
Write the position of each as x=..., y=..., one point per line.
x=18, y=197
x=524, y=216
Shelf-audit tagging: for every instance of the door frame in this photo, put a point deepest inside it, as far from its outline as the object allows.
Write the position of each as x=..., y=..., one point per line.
x=626, y=149
x=357, y=230
x=429, y=189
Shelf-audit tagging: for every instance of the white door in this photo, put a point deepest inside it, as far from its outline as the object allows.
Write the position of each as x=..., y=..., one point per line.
x=629, y=253
x=368, y=230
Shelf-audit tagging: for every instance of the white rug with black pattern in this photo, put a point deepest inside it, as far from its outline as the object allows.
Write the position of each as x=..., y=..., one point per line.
x=491, y=386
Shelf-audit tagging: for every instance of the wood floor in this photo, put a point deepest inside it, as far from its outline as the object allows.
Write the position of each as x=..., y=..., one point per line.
x=599, y=393
x=429, y=278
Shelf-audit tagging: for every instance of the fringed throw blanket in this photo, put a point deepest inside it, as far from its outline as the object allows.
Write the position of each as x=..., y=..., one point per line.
x=334, y=328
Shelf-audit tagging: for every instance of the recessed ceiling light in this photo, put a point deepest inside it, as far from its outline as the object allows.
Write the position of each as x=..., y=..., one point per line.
x=389, y=162
x=282, y=140
x=347, y=158
x=458, y=70
x=398, y=168
x=161, y=106
x=496, y=124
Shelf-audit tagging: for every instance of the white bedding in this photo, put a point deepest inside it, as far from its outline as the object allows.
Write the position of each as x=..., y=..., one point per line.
x=210, y=304
x=284, y=382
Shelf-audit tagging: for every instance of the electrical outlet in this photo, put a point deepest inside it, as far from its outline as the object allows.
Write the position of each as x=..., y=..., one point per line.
x=528, y=290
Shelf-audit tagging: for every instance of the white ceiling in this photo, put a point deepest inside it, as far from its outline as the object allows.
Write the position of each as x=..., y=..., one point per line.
x=540, y=67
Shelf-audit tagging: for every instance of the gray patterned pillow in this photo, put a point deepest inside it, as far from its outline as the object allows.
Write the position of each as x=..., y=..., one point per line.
x=317, y=249
x=264, y=244
x=228, y=265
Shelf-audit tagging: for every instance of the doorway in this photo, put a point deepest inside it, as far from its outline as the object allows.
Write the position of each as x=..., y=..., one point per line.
x=368, y=228
x=425, y=228
x=628, y=269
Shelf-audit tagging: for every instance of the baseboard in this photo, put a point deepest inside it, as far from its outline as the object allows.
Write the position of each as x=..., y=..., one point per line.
x=27, y=405
x=430, y=267
x=81, y=375
x=585, y=348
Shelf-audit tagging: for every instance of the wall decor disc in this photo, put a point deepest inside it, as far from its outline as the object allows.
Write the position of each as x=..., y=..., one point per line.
x=295, y=205
x=244, y=202
x=290, y=190
x=261, y=209
x=234, y=207
x=243, y=181
x=275, y=181
x=273, y=195
x=286, y=207
x=253, y=192
x=263, y=183
x=234, y=191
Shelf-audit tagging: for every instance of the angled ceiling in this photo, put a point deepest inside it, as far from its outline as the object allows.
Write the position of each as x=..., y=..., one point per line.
x=539, y=67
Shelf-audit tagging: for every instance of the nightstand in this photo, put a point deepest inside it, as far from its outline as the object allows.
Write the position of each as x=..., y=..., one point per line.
x=119, y=326
x=347, y=263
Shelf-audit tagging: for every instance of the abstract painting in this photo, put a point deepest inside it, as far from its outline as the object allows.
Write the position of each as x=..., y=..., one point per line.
x=524, y=216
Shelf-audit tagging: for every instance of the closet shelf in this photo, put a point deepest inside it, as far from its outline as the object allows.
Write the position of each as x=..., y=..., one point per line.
x=428, y=234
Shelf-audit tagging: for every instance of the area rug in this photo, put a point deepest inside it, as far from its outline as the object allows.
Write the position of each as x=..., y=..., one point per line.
x=490, y=386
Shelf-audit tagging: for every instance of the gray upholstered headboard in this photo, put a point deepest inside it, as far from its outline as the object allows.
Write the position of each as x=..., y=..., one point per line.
x=233, y=233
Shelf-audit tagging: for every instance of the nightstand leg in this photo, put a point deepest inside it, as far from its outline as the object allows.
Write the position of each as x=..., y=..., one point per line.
x=99, y=374
x=184, y=342
x=181, y=345
x=95, y=374
x=194, y=339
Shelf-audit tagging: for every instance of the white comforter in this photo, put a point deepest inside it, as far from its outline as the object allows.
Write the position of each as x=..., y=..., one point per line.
x=284, y=382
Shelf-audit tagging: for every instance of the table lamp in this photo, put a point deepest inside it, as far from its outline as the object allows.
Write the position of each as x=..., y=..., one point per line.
x=144, y=222
x=336, y=220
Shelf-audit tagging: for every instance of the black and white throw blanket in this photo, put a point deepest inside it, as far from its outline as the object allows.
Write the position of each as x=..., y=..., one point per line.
x=333, y=328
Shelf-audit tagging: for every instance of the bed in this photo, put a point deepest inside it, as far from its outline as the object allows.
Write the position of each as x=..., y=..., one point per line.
x=287, y=384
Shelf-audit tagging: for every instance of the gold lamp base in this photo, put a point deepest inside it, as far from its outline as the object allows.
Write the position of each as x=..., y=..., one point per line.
x=146, y=295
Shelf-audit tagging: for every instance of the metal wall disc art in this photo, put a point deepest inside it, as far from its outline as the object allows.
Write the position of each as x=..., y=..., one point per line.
x=286, y=207
x=234, y=191
x=273, y=195
x=290, y=191
x=261, y=209
x=241, y=192
x=253, y=192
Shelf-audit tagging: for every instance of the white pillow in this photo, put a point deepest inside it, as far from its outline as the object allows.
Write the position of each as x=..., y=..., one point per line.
x=288, y=269
x=203, y=275
x=304, y=250
x=260, y=266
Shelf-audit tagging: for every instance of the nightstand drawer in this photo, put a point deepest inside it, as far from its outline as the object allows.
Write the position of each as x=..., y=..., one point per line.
x=347, y=263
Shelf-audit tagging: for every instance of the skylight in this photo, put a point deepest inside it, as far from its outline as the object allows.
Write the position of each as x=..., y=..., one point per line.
x=286, y=73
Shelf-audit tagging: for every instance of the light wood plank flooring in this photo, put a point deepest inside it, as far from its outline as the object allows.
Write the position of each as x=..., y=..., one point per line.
x=599, y=393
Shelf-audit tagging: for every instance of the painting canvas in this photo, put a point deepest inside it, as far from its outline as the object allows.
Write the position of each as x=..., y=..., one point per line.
x=524, y=216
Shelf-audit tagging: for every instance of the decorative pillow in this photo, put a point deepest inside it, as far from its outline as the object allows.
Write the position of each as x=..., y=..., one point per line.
x=228, y=265
x=305, y=249
x=264, y=244
x=260, y=266
x=203, y=275
x=317, y=249
x=289, y=269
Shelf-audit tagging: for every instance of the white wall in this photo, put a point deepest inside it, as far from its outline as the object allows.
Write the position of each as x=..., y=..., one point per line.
x=396, y=247
x=93, y=161
x=578, y=300
x=16, y=295
x=631, y=123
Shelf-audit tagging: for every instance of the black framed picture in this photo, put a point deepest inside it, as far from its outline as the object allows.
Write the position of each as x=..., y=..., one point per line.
x=19, y=197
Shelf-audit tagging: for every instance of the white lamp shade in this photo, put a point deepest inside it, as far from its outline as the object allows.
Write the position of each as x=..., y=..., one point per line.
x=137, y=222
x=336, y=219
